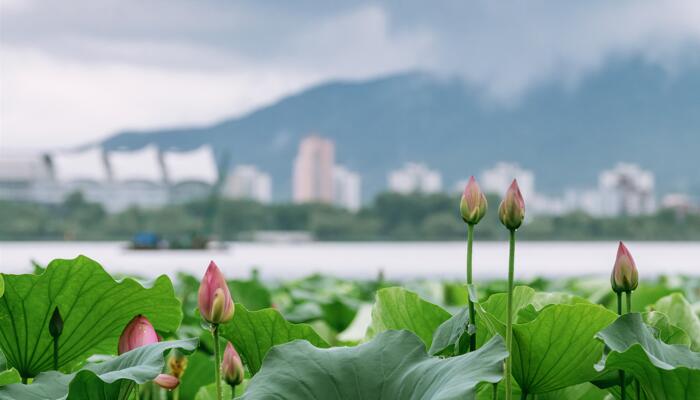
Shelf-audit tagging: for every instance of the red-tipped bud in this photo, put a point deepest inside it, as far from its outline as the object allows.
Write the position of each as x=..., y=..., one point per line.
x=215, y=302
x=139, y=332
x=231, y=366
x=167, y=381
x=473, y=204
x=624, y=277
x=511, y=212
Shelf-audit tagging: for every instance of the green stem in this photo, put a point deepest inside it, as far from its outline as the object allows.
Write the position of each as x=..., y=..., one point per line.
x=472, y=316
x=621, y=372
x=176, y=393
x=637, y=387
x=495, y=391
x=136, y=391
x=509, y=316
x=55, y=353
x=217, y=359
x=233, y=392
x=24, y=380
x=523, y=395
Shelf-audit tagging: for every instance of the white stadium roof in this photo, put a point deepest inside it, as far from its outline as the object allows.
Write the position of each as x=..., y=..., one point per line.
x=87, y=165
x=191, y=166
x=137, y=165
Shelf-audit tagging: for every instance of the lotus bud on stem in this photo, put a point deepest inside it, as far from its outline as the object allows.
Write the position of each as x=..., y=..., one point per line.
x=55, y=329
x=511, y=212
x=216, y=307
x=472, y=207
x=624, y=278
x=138, y=332
x=232, y=368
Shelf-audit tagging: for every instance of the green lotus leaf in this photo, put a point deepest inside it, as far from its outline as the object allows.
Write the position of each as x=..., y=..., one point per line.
x=254, y=333
x=95, y=309
x=450, y=333
x=667, y=332
x=112, y=379
x=665, y=371
x=680, y=313
x=394, y=365
x=557, y=348
x=396, y=308
x=9, y=376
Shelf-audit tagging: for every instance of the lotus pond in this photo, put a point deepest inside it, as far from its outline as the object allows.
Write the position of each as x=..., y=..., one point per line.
x=326, y=338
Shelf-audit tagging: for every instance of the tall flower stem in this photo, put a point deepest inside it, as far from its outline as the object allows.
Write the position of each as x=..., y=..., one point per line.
x=509, y=316
x=472, y=317
x=495, y=391
x=637, y=388
x=621, y=372
x=217, y=360
x=55, y=353
x=233, y=392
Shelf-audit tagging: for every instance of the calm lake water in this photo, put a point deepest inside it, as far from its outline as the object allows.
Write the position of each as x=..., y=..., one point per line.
x=398, y=260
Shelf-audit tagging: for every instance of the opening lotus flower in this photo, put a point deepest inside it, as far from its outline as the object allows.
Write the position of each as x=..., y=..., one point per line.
x=624, y=277
x=167, y=381
x=511, y=212
x=231, y=366
x=177, y=363
x=473, y=204
x=215, y=302
x=139, y=332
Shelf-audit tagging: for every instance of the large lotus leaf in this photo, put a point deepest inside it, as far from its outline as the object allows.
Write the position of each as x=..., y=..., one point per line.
x=9, y=376
x=450, y=333
x=251, y=293
x=665, y=371
x=557, y=348
x=496, y=306
x=664, y=330
x=396, y=308
x=95, y=310
x=111, y=379
x=394, y=365
x=680, y=313
x=254, y=333
x=583, y=391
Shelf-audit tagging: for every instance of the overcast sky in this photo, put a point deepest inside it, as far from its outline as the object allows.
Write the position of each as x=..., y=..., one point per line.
x=76, y=71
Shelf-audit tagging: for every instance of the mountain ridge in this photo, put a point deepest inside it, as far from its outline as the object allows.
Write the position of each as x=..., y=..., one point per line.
x=627, y=111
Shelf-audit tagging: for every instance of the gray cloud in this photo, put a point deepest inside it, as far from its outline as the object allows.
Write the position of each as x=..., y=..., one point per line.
x=119, y=64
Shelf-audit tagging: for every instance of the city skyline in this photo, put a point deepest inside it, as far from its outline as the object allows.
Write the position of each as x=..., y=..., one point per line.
x=140, y=177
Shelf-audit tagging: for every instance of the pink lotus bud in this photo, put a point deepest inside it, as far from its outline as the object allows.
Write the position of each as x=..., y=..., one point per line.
x=139, y=332
x=231, y=366
x=624, y=277
x=511, y=212
x=473, y=204
x=167, y=381
x=215, y=302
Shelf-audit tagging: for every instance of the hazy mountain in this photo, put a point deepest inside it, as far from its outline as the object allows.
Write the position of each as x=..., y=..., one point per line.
x=627, y=111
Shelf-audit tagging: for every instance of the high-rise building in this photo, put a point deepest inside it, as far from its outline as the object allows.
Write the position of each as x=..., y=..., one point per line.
x=627, y=189
x=313, y=171
x=346, y=185
x=248, y=182
x=415, y=177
